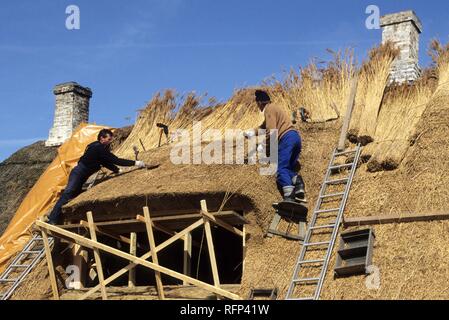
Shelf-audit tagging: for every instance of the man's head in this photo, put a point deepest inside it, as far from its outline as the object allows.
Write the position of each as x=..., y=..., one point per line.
x=262, y=99
x=105, y=136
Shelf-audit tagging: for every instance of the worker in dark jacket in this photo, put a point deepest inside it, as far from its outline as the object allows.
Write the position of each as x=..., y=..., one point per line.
x=96, y=155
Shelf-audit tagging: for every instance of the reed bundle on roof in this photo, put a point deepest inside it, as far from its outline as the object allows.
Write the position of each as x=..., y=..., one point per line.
x=321, y=91
x=373, y=81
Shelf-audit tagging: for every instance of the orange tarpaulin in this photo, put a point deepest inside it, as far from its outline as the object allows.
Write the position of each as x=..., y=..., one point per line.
x=44, y=194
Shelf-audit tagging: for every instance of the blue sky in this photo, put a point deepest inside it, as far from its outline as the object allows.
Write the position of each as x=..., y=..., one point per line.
x=128, y=50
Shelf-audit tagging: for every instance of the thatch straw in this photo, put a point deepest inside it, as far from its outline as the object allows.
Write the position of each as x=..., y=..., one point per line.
x=400, y=113
x=167, y=108
x=240, y=112
x=411, y=266
x=321, y=91
x=18, y=174
x=373, y=81
x=403, y=109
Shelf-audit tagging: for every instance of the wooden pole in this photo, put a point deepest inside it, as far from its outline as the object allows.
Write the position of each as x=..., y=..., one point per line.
x=138, y=261
x=159, y=285
x=349, y=108
x=97, y=257
x=159, y=228
x=120, y=238
x=141, y=143
x=51, y=268
x=187, y=263
x=210, y=245
x=222, y=224
x=160, y=139
x=395, y=218
x=243, y=248
x=133, y=251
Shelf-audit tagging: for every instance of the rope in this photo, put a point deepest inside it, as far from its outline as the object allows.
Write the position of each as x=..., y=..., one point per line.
x=199, y=256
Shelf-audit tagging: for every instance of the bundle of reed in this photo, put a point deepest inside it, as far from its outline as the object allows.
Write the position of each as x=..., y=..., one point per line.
x=440, y=56
x=432, y=137
x=399, y=116
x=321, y=91
x=359, y=107
x=403, y=110
x=167, y=108
x=433, y=118
x=239, y=112
x=373, y=81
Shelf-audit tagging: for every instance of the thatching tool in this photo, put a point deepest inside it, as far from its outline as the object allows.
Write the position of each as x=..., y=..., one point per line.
x=141, y=143
x=164, y=129
x=294, y=116
x=136, y=152
x=304, y=114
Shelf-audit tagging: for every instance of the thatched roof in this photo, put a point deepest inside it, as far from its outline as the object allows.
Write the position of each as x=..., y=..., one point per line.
x=176, y=187
x=18, y=174
x=412, y=258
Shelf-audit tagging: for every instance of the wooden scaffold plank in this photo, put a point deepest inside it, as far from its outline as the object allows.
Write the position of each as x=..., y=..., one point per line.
x=395, y=218
x=210, y=244
x=187, y=257
x=159, y=285
x=133, y=251
x=51, y=268
x=97, y=256
x=54, y=230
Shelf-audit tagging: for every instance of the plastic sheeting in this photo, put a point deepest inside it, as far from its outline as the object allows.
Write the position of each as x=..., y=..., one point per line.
x=44, y=194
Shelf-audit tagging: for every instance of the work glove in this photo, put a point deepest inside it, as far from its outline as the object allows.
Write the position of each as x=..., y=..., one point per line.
x=140, y=164
x=249, y=133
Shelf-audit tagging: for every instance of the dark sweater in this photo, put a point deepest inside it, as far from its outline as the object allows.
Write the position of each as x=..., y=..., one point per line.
x=97, y=155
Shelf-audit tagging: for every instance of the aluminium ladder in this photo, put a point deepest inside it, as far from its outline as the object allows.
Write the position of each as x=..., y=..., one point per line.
x=298, y=282
x=22, y=265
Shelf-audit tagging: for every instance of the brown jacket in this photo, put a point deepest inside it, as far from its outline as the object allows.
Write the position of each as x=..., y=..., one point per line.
x=276, y=118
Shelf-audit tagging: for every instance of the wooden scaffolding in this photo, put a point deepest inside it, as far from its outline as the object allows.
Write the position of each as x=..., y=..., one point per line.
x=89, y=240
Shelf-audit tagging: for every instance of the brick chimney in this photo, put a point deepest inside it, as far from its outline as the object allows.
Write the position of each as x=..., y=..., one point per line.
x=403, y=29
x=72, y=109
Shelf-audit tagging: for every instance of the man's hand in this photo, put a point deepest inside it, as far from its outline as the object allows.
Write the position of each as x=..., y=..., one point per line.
x=249, y=133
x=140, y=164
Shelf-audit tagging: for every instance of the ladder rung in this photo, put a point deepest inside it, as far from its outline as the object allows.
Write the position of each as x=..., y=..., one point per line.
x=306, y=280
x=311, y=261
x=327, y=210
x=8, y=280
x=345, y=152
x=340, y=166
x=337, y=181
x=329, y=226
x=31, y=252
x=340, y=194
x=313, y=244
x=20, y=265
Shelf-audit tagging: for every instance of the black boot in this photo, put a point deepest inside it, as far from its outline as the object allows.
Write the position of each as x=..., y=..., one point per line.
x=300, y=189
